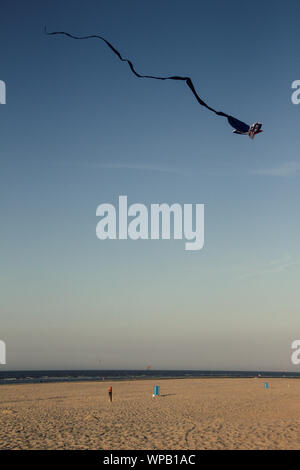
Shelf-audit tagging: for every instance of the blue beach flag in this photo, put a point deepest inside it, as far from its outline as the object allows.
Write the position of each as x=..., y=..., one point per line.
x=156, y=391
x=266, y=385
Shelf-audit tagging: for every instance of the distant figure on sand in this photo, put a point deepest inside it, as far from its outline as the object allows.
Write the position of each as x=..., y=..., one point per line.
x=110, y=393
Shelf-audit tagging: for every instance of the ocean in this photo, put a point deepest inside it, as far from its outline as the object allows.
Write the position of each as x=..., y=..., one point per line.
x=48, y=376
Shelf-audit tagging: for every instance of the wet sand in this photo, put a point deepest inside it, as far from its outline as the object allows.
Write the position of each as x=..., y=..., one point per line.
x=189, y=414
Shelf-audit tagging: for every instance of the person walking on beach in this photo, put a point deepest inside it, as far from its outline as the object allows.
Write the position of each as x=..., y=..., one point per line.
x=110, y=393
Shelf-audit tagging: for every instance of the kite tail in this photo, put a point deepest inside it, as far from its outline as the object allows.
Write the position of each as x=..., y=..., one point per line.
x=187, y=80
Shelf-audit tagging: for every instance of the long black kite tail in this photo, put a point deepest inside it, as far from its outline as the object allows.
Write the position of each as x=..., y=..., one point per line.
x=187, y=80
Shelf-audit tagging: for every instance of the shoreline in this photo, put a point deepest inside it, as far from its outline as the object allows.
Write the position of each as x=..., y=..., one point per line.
x=17, y=377
x=141, y=379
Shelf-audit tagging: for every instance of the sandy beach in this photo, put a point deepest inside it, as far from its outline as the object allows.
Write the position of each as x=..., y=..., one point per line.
x=189, y=414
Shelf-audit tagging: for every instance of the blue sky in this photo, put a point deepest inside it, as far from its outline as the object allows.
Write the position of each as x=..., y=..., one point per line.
x=79, y=129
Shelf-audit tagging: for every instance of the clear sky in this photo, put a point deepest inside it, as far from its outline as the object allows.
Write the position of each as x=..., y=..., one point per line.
x=79, y=129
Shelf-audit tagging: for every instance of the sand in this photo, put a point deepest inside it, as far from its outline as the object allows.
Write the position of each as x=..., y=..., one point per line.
x=189, y=414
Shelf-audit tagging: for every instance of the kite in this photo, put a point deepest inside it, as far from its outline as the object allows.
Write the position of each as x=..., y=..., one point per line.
x=240, y=127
